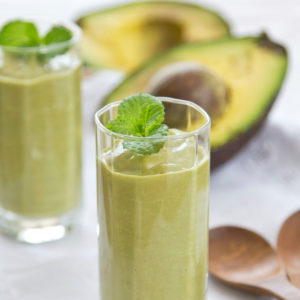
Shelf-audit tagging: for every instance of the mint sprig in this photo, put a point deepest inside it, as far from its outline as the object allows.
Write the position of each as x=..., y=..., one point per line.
x=141, y=115
x=21, y=33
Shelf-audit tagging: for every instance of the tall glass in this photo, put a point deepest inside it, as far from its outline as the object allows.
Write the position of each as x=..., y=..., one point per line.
x=40, y=137
x=153, y=209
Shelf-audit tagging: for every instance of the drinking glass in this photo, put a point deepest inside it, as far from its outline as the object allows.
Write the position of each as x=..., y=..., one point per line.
x=40, y=137
x=153, y=210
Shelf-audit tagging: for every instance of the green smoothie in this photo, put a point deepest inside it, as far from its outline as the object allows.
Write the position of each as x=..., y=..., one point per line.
x=40, y=138
x=153, y=213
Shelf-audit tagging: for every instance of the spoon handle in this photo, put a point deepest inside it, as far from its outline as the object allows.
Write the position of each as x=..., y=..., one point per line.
x=280, y=288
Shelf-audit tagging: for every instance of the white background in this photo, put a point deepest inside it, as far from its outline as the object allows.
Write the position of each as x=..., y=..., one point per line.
x=258, y=189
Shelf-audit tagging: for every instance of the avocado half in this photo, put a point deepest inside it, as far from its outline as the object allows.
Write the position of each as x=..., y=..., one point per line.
x=126, y=36
x=253, y=69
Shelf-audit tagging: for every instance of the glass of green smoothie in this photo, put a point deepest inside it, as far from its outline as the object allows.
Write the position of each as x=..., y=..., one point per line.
x=153, y=168
x=40, y=128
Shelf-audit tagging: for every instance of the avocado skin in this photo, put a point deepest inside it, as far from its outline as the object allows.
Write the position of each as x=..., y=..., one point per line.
x=89, y=63
x=223, y=153
x=265, y=42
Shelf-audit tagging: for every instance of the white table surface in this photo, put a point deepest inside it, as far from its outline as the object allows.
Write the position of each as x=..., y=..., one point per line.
x=258, y=189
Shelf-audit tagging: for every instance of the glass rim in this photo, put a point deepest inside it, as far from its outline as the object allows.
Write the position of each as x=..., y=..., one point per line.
x=75, y=30
x=184, y=135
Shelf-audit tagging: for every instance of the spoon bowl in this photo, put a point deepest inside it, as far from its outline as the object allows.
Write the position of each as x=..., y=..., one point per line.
x=246, y=257
x=288, y=245
x=246, y=260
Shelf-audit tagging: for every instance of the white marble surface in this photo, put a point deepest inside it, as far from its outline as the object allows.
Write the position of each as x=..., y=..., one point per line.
x=258, y=189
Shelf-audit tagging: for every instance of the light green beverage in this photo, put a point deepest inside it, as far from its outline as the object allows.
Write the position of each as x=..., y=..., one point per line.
x=40, y=141
x=153, y=215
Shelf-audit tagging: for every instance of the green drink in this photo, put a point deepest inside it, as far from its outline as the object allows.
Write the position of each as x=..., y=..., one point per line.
x=40, y=139
x=153, y=210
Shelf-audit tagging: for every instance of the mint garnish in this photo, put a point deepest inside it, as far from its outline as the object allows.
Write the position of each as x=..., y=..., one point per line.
x=19, y=34
x=141, y=115
x=57, y=34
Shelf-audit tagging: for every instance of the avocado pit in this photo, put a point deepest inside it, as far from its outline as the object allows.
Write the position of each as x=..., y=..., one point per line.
x=192, y=82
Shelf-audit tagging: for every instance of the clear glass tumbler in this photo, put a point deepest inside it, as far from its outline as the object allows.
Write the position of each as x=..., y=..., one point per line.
x=40, y=137
x=153, y=209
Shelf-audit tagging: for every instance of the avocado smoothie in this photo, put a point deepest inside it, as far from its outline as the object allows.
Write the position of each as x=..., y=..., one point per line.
x=40, y=136
x=40, y=142
x=153, y=219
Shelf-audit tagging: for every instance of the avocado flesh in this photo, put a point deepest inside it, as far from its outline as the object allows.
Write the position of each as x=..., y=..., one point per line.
x=126, y=36
x=253, y=69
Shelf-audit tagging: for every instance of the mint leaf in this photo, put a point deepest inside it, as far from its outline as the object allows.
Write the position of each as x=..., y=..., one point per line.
x=57, y=34
x=141, y=115
x=19, y=34
x=138, y=115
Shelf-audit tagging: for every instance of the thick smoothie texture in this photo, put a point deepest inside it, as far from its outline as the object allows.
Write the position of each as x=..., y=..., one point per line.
x=153, y=213
x=40, y=142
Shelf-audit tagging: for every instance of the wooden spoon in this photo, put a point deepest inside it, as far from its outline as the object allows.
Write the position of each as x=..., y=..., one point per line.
x=244, y=259
x=288, y=245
